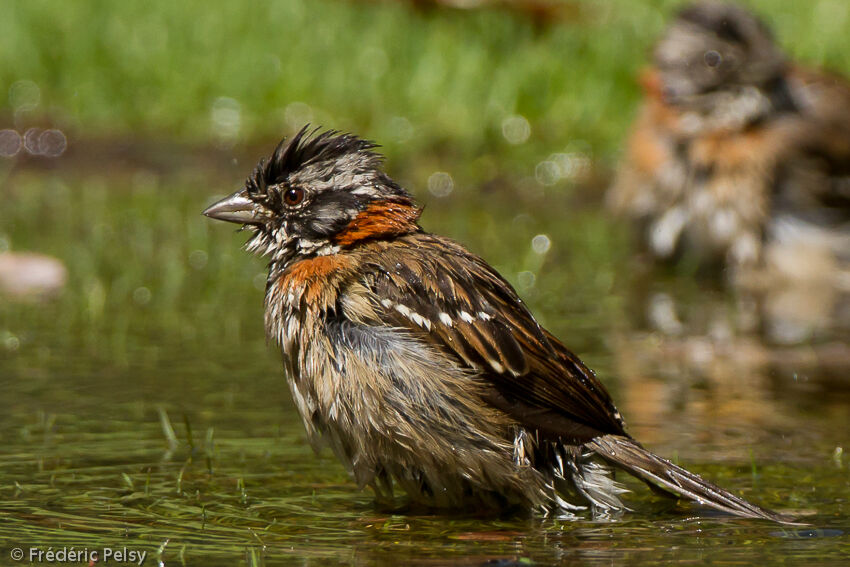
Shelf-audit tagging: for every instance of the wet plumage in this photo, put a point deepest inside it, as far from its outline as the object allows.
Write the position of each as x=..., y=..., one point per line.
x=416, y=361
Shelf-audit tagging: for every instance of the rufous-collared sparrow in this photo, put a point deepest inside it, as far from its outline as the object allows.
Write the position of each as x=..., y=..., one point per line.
x=416, y=361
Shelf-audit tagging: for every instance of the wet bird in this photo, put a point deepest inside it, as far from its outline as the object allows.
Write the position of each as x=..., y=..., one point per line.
x=738, y=157
x=417, y=362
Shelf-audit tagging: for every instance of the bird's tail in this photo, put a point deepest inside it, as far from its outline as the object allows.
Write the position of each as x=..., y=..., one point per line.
x=654, y=470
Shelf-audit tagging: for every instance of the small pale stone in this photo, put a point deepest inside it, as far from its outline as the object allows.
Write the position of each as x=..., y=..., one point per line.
x=25, y=274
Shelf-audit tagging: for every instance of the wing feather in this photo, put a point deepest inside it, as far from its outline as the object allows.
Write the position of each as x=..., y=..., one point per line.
x=461, y=305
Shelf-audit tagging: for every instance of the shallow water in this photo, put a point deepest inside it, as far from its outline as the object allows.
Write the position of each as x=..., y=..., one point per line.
x=144, y=410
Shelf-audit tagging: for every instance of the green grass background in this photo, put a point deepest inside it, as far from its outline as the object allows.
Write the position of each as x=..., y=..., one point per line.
x=417, y=80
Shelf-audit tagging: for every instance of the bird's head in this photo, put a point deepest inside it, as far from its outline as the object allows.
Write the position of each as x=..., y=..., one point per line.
x=317, y=194
x=713, y=47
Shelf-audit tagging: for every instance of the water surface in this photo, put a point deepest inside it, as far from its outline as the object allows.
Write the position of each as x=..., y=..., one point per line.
x=143, y=408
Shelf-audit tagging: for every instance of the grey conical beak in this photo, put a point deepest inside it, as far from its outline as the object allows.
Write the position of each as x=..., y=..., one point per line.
x=234, y=208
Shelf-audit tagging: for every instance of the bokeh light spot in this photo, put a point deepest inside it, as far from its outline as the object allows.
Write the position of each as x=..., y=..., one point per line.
x=516, y=129
x=52, y=143
x=440, y=184
x=226, y=119
x=31, y=141
x=142, y=295
x=526, y=280
x=24, y=95
x=10, y=143
x=198, y=259
x=547, y=173
x=297, y=114
x=541, y=244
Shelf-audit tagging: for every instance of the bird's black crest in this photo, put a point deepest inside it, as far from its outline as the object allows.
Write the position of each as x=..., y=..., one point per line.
x=728, y=22
x=304, y=148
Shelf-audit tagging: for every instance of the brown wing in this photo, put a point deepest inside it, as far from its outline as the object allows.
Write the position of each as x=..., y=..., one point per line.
x=814, y=180
x=433, y=287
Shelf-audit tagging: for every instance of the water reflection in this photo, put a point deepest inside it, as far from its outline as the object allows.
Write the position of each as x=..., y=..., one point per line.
x=85, y=460
x=727, y=357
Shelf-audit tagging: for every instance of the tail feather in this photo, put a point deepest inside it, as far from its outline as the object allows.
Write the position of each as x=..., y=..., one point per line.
x=650, y=468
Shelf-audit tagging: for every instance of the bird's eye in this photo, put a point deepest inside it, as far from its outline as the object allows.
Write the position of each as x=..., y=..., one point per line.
x=712, y=58
x=293, y=196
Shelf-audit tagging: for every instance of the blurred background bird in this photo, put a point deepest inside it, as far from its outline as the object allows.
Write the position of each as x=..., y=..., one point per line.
x=739, y=158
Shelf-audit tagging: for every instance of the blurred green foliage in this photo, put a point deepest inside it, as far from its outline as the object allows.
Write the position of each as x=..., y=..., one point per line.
x=414, y=79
